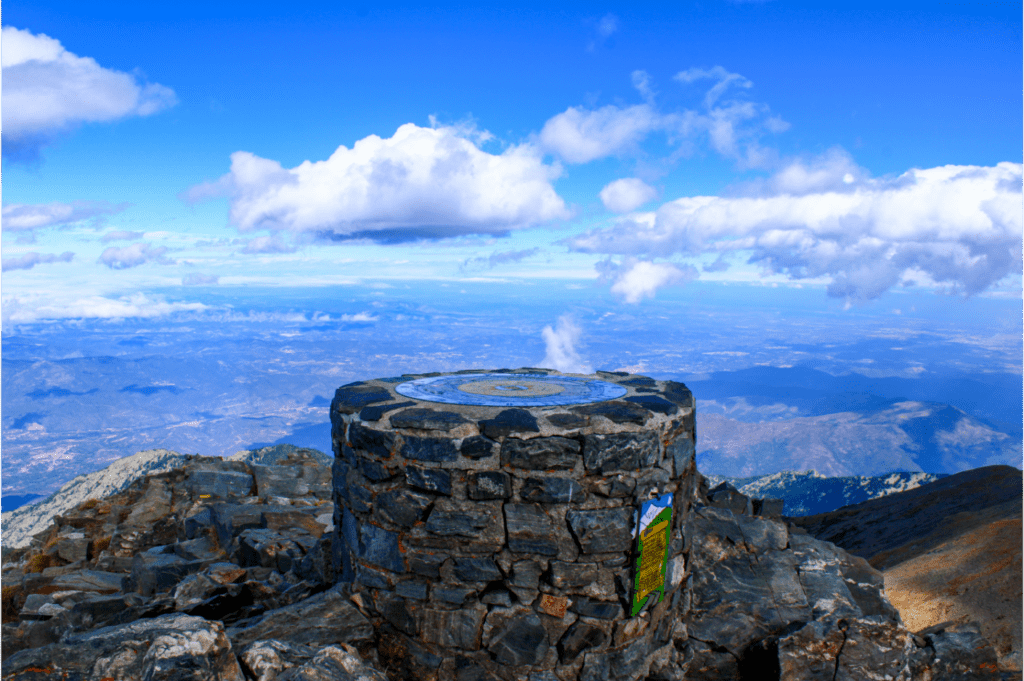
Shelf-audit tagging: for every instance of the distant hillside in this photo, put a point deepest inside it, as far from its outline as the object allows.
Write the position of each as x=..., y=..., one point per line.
x=809, y=492
x=950, y=550
x=908, y=436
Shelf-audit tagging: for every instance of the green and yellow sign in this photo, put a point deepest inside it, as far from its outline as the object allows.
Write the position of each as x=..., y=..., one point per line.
x=653, y=530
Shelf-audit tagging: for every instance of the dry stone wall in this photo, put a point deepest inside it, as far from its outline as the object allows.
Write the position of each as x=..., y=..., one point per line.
x=496, y=540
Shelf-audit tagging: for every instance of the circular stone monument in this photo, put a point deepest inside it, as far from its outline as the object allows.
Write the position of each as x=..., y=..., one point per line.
x=515, y=524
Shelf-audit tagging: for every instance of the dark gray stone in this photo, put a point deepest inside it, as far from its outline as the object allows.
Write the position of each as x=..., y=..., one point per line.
x=374, y=470
x=375, y=412
x=479, y=522
x=427, y=419
x=729, y=498
x=654, y=403
x=477, y=447
x=231, y=519
x=476, y=569
x=615, y=486
x=412, y=588
x=530, y=530
x=681, y=452
x=603, y=610
x=334, y=663
x=454, y=628
x=497, y=597
x=267, y=548
x=402, y=507
x=394, y=610
x=489, y=485
x=427, y=564
x=158, y=572
x=579, y=637
x=349, y=399
x=380, y=547
x=552, y=491
x=526, y=574
x=325, y=618
x=373, y=578
x=642, y=381
x=317, y=565
x=768, y=508
x=433, y=480
x=566, y=420
x=223, y=484
x=375, y=442
x=201, y=548
x=508, y=422
x=435, y=449
x=628, y=663
x=616, y=411
x=455, y=595
x=606, y=530
x=678, y=393
x=540, y=453
x=619, y=451
x=197, y=523
x=523, y=641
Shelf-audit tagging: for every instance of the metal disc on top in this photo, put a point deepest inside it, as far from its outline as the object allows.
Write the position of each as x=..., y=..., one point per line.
x=510, y=390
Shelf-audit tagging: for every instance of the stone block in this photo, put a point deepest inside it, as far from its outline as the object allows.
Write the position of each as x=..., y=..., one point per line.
x=292, y=520
x=523, y=640
x=616, y=411
x=680, y=451
x=380, y=547
x=526, y=574
x=427, y=564
x=88, y=580
x=566, y=420
x=394, y=609
x=349, y=399
x=530, y=530
x=508, y=422
x=456, y=595
x=436, y=449
x=412, y=588
x=427, y=419
x=540, y=453
x=579, y=637
x=267, y=548
x=477, y=447
x=619, y=451
x=768, y=508
x=604, y=610
x=376, y=412
x=473, y=526
x=571, y=575
x=202, y=549
x=607, y=530
x=376, y=442
x=73, y=548
x=552, y=491
x=468, y=569
x=402, y=506
x=219, y=484
x=281, y=481
x=434, y=480
x=629, y=662
x=489, y=485
x=159, y=572
x=197, y=523
x=654, y=403
x=229, y=520
x=678, y=393
x=454, y=628
x=375, y=471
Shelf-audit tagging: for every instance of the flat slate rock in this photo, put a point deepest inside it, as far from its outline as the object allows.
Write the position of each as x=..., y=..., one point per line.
x=427, y=419
x=321, y=620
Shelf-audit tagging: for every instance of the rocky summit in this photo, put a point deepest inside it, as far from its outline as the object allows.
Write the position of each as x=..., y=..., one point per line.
x=223, y=570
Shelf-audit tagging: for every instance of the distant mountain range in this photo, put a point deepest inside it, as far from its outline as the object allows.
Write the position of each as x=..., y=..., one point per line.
x=809, y=493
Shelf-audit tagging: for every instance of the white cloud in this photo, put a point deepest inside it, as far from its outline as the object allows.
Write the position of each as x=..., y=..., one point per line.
x=26, y=216
x=731, y=126
x=560, y=351
x=958, y=225
x=499, y=258
x=29, y=260
x=419, y=183
x=20, y=310
x=622, y=196
x=121, y=236
x=358, y=317
x=634, y=279
x=198, y=279
x=47, y=90
x=133, y=256
x=265, y=244
x=608, y=24
x=580, y=135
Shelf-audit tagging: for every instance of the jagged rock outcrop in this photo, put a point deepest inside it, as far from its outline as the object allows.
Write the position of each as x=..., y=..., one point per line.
x=189, y=574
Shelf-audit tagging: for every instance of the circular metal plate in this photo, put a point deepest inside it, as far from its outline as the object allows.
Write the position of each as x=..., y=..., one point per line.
x=510, y=390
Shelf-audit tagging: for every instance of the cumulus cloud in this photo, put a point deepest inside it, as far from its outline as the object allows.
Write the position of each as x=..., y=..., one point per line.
x=608, y=24
x=499, y=258
x=29, y=260
x=20, y=217
x=133, y=256
x=634, y=279
x=560, y=347
x=731, y=125
x=198, y=279
x=419, y=183
x=265, y=244
x=48, y=90
x=622, y=196
x=358, y=317
x=121, y=236
x=26, y=309
x=958, y=225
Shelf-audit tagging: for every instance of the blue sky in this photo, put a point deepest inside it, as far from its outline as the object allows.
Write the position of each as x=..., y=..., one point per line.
x=860, y=148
